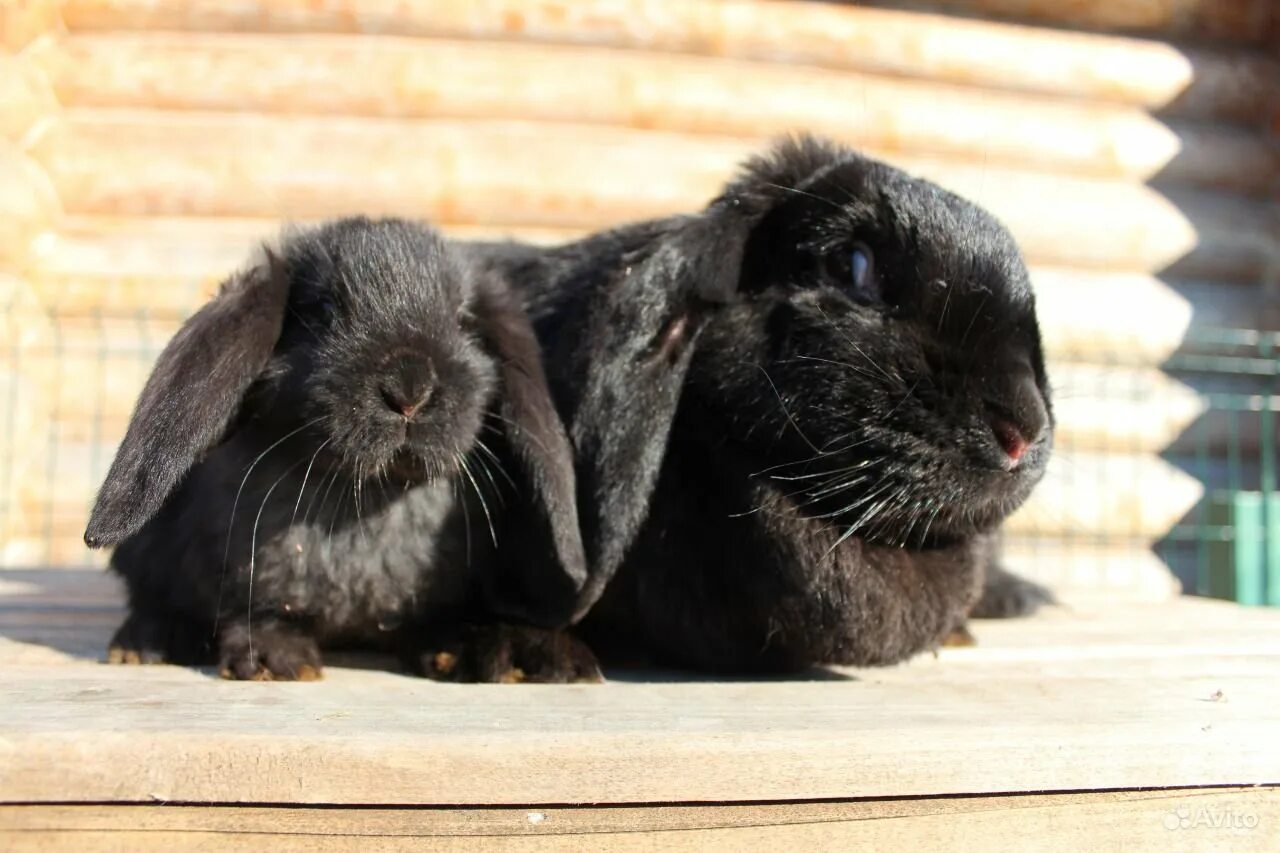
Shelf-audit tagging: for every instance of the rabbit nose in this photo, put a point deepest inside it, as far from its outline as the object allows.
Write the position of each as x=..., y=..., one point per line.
x=405, y=401
x=1011, y=440
x=1019, y=420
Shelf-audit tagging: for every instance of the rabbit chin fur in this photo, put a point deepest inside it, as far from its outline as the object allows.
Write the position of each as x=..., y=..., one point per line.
x=292, y=472
x=825, y=460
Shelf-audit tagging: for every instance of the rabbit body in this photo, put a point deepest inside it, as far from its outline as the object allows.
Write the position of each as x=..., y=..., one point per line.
x=818, y=471
x=308, y=464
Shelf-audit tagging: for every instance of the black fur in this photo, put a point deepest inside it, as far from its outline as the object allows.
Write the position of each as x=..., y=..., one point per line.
x=327, y=453
x=818, y=477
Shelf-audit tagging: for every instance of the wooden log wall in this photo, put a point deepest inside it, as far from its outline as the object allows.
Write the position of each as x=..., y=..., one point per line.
x=145, y=146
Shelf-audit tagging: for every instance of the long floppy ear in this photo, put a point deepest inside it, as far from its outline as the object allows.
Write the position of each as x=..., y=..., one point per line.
x=541, y=559
x=636, y=351
x=190, y=398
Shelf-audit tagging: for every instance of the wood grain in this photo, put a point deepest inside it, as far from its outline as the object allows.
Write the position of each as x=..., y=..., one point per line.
x=508, y=173
x=1170, y=695
x=436, y=78
x=1151, y=74
x=1132, y=820
x=1246, y=21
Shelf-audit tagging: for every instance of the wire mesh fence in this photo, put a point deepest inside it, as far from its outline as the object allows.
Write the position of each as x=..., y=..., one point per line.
x=1229, y=547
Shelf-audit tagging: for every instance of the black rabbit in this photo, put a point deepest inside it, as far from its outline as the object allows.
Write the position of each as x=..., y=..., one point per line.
x=800, y=416
x=307, y=465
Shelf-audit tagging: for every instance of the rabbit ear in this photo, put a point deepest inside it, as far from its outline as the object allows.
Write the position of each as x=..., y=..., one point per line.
x=546, y=568
x=190, y=398
x=638, y=344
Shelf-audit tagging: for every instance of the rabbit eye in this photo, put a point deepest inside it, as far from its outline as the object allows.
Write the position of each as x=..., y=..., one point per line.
x=854, y=269
x=862, y=271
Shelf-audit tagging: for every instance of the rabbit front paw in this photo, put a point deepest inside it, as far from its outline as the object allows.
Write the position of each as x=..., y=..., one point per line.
x=271, y=651
x=145, y=638
x=505, y=654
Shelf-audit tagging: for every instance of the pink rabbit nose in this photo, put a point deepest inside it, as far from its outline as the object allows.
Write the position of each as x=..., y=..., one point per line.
x=1012, y=441
x=407, y=405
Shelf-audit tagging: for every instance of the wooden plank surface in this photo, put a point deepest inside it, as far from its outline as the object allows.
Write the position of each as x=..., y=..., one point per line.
x=1182, y=694
x=1131, y=820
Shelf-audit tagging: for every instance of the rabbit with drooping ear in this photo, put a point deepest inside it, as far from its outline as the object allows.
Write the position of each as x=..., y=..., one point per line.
x=347, y=445
x=619, y=314
x=821, y=477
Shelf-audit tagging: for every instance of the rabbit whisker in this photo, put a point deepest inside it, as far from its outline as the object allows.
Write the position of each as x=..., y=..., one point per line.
x=484, y=448
x=833, y=476
x=466, y=470
x=306, y=476
x=483, y=465
x=253, y=551
x=859, y=370
x=853, y=528
x=358, y=486
x=918, y=510
x=337, y=511
x=976, y=314
x=905, y=398
x=790, y=496
x=231, y=522
x=880, y=488
x=924, y=537
x=382, y=483
x=782, y=404
x=813, y=475
x=321, y=496
x=530, y=434
x=315, y=335
x=859, y=350
x=466, y=516
x=915, y=516
x=894, y=499
x=837, y=488
x=876, y=515
x=807, y=194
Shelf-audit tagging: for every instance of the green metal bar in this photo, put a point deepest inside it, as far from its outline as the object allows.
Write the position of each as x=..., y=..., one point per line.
x=1270, y=505
x=1233, y=451
x=1204, y=566
x=1227, y=364
x=1273, y=550
x=1246, y=512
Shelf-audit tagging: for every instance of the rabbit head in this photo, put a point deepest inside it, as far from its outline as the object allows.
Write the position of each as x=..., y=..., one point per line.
x=379, y=351
x=883, y=358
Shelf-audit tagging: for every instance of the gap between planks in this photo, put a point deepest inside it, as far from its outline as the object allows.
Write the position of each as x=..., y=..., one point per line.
x=1244, y=817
